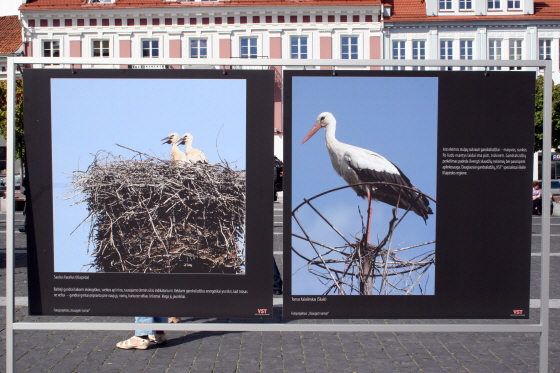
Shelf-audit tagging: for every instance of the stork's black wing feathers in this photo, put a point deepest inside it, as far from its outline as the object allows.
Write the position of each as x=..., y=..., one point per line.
x=390, y=194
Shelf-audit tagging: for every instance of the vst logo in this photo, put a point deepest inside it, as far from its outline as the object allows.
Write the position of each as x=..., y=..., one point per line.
x=518, y=312
x=261, y=310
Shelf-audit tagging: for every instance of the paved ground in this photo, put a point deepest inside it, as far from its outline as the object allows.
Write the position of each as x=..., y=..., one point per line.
x=94, y=351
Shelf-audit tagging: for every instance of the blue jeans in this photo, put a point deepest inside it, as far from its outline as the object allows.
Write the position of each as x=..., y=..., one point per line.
x=143, y=319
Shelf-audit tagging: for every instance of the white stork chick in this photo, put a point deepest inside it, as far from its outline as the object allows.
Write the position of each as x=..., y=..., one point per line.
x=193, y=155
x=176, y=154
x=357, y=165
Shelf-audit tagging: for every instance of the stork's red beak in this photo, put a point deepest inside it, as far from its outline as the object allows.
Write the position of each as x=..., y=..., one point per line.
x=311, y=132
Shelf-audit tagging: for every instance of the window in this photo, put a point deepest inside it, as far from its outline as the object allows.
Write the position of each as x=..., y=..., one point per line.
x=298, y=47
x=419, y=52
x=150, y=48
x=515, y=52
x=465, y=4
x=493, y=4
x=514, y=4
x=349, y=47
x=495, y=52
x=101, y=48
x=446, y=51
x=102, y=1
x=199, y=48
x=545, y=46
x=249, y=47
x=445, y=4
x=51, y=48
x=399, y=52
x=466, y=52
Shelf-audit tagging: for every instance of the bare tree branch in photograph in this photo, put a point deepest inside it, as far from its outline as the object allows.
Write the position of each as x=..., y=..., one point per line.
x=360, y=267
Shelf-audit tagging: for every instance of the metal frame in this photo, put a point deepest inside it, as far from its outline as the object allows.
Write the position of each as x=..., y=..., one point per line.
x=542, y=327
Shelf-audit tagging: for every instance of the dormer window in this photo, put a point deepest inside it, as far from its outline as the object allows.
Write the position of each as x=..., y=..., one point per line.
x=101, y=1
x=514, y=4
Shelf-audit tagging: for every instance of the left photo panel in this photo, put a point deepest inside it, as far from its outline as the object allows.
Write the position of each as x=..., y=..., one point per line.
x=147, y=191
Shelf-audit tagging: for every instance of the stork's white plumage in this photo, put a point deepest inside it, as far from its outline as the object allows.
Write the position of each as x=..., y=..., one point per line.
x=193, y=155
x=176, y=154
x=358, y=165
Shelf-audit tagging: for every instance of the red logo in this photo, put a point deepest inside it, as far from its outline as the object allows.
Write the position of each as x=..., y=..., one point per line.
x=518, y=312
x=261, y=310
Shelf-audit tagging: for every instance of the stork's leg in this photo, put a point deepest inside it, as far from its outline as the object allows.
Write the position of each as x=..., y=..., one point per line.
x=369, y=212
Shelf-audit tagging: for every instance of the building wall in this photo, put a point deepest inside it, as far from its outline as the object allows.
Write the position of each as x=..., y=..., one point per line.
x=223, y=32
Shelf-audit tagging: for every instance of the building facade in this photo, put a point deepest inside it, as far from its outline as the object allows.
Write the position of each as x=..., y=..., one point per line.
x=473, y=30
x=292, y=29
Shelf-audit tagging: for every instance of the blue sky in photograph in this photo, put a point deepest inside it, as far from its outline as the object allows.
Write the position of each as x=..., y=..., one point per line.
x=395, y=117
x=89, y=115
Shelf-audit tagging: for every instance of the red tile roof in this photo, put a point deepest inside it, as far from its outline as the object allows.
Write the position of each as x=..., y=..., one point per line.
x=83, y=4
x=415, y=11
x=10, y=34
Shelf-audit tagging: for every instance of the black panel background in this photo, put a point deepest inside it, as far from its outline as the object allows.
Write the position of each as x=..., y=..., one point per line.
x=483, y=227
x=259, y=210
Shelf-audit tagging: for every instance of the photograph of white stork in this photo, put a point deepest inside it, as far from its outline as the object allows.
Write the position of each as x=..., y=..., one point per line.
x=387, y=245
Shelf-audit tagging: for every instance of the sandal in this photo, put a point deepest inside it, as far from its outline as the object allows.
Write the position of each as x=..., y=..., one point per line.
x=158, y=338
x=173, y=320
x=135, y=342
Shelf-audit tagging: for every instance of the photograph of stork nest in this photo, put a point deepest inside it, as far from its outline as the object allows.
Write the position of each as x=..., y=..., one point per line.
x=148, y=215
x=360, y=266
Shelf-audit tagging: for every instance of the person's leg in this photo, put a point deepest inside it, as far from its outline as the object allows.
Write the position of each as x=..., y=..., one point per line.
x=277, y=285
x=159, y=335
x=146, y=320
x=142, y=339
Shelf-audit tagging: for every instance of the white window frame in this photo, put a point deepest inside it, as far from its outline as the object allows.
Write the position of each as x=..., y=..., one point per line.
x=256, y=46
x=420, y=47
x=446, y=51
x=515, y=51
x=398, y=52
x=545, y=49
x=494, y=4
x=495, y=51
x=43, y=41
x=468, y=5
x=299, y=46
x=150, y=40
x=92, y=46
x=198, y=47
x=466, y=48
x=445, y=5
x=350, y=53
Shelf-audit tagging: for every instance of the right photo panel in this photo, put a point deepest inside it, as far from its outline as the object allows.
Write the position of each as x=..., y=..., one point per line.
x=407, y=194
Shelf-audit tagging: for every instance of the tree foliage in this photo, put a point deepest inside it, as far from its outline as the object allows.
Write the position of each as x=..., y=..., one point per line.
x=20, y=141
x=539, y=114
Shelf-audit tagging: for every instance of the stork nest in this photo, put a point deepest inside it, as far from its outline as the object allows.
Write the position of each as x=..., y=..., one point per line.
x=156, y=216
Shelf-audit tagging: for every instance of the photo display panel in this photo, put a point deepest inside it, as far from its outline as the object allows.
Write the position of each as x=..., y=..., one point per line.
x=149, y=192
x=408, y=194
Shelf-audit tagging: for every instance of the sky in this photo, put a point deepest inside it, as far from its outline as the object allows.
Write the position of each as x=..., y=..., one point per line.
x=89, y=115
x=392, y=116
x=9, y=7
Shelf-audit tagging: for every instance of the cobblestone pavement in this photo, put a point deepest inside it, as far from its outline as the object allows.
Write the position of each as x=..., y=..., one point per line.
x=95, y=351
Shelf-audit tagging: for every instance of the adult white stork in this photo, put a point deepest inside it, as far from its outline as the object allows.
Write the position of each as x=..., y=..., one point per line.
x=176, y=154
x=358, y=165
x=193, y=155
